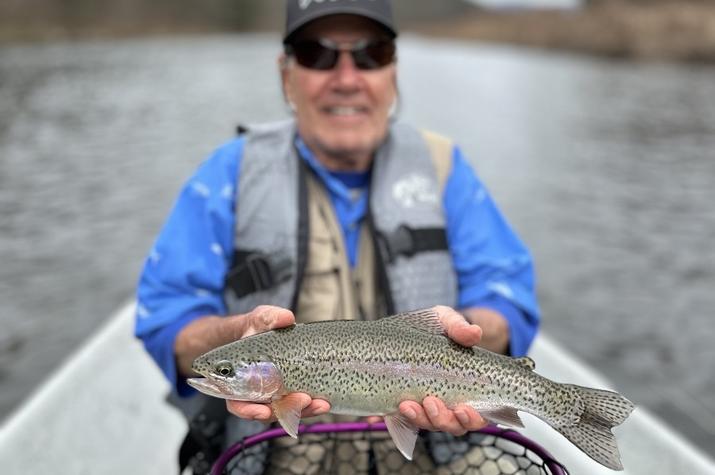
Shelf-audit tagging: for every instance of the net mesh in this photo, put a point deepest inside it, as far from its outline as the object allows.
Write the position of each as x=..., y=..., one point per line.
x=375, y=453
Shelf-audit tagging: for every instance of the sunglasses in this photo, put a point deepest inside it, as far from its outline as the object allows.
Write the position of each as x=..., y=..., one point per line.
x=323, y=54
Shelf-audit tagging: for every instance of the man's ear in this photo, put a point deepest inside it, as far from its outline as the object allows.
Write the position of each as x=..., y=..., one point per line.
x=284, y=69
x=282, y=62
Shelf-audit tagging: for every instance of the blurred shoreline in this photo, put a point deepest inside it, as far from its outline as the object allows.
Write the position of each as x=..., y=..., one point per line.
x=678, y=30
x=659, y=30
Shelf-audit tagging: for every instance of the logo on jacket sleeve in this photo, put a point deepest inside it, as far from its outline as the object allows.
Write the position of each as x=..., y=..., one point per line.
x=414, y=190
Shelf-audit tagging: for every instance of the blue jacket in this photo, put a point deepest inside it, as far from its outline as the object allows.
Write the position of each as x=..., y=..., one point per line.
x=183, y=276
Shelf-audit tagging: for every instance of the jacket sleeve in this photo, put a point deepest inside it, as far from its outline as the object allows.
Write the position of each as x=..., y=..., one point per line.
x=183, y=276
x=494, y=268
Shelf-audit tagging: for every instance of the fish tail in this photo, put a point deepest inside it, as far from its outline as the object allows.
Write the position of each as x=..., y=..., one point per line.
x=601, y=411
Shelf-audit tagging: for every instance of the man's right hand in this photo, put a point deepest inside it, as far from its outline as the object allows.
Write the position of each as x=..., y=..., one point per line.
x=210, y=332
x=207, y=333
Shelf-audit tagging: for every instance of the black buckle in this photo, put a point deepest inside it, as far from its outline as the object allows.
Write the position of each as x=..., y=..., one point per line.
x=260, y=271
x=406, y=241
x=401, y=243
x=256, y=271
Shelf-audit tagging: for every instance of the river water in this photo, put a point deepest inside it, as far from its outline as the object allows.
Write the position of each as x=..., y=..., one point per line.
x=605, y=168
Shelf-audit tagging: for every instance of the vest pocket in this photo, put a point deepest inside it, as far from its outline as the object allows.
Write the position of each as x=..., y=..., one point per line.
x=321, y=296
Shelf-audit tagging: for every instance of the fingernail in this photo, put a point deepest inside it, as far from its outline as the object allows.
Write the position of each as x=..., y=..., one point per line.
x=410, y=413
x=431, y=409
x=462, y=417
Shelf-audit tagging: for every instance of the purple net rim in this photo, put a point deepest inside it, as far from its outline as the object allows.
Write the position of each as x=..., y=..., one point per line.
x=217, y=469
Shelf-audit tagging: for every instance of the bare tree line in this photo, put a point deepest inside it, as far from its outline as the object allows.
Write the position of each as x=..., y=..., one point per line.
x=137, y=16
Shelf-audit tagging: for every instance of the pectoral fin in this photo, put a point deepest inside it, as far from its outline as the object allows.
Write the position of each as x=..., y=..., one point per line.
x=403, y=433
x=502, y=415
x=287, y=409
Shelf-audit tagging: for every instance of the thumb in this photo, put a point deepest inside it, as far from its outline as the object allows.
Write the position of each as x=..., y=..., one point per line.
x=457, y=327
x=268, y=317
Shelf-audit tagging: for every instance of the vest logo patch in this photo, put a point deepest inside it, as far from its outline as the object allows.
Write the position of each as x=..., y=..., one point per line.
x=414, y=190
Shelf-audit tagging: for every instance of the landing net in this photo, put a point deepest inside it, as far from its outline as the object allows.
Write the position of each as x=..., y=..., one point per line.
x=360, y=447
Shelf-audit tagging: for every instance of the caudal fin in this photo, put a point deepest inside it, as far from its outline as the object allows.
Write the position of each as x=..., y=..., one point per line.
x=592, y=434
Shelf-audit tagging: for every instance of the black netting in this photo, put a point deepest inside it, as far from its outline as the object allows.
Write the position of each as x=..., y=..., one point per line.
x=375, y=453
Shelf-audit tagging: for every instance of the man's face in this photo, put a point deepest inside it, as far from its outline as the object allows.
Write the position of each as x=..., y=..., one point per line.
x=342, y=113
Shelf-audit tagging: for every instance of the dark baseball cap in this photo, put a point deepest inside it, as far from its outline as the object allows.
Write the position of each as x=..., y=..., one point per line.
x=301, y=12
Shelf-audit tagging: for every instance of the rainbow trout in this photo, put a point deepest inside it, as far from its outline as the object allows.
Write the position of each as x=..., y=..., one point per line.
x=367, y=368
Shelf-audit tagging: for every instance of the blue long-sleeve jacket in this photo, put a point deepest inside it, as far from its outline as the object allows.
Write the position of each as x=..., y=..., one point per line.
x=183, y=276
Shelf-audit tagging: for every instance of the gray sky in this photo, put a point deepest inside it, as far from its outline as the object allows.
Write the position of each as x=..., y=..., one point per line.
x=528, y=3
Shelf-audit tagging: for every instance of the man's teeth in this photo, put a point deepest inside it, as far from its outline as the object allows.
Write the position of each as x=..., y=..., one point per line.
x=344, y=110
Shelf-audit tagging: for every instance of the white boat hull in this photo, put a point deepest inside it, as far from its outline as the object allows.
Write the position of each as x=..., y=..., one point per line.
x=103, y=412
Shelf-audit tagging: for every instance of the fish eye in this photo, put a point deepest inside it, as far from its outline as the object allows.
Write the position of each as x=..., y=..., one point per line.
x=224, y=368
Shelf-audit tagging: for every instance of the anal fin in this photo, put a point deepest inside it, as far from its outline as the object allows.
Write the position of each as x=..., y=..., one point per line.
x=502, y=415
x=403, y=433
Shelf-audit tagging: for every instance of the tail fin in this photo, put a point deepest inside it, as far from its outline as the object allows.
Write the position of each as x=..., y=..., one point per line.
x=592, y=434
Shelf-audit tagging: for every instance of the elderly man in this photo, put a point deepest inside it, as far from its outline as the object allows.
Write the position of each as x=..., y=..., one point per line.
x=339, y=212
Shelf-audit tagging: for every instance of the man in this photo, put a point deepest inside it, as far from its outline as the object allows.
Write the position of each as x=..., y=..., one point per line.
x=341, y=212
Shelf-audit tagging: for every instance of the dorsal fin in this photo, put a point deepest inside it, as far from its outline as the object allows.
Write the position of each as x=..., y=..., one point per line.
x=425, y=320
x=526, y=362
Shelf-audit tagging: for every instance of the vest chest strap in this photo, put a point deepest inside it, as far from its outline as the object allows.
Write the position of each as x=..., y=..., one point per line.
x=406, y=241
x=254, y=271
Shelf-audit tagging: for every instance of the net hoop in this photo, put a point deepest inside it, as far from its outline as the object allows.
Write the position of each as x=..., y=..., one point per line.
x=224, y=459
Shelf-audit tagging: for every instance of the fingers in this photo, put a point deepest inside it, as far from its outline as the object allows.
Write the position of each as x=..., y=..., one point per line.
x=264, y=413
x=432, y=414
x=469, y=418
x=457, y=327
x=250, y=411
x=316, y=408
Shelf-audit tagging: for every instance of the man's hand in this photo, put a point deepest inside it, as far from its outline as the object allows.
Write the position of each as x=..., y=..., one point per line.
x=210, y=332
x=432, y=414
x=264, y=413
x=457, y=328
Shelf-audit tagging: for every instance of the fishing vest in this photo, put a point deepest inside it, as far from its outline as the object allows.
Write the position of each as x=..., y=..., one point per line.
x=289, y=248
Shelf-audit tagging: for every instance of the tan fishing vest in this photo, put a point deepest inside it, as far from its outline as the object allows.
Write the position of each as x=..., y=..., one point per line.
x=330, y=286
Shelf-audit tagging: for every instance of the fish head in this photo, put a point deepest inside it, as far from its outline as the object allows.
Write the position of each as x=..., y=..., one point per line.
x=255, y=379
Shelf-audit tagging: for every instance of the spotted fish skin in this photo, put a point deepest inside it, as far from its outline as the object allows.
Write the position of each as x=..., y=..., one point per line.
x=369, y=367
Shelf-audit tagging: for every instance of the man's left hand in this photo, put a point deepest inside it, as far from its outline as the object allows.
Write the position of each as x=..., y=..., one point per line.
x=433, y=414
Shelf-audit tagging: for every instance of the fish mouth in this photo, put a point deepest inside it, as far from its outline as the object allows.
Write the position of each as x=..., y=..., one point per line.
x=208, y=387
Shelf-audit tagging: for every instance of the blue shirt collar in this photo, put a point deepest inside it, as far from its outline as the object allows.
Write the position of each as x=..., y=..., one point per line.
x=340, y=188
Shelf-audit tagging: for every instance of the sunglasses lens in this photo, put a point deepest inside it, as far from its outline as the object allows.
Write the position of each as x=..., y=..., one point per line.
x=313, y=55
x=375, y=55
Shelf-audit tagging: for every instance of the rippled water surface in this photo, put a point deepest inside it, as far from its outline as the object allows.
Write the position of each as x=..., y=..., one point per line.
x=606, y=168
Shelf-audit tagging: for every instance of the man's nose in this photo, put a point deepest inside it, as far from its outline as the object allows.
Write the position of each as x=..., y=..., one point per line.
x=347, y=74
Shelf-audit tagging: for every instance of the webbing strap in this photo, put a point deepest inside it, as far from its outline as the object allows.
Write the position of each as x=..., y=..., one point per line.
x=253, y=271
x=407, y=242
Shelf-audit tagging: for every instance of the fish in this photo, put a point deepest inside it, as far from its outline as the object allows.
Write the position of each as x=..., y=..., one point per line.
x=367, y=368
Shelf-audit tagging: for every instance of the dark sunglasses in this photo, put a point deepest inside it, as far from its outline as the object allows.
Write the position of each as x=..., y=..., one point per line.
x=323, y=54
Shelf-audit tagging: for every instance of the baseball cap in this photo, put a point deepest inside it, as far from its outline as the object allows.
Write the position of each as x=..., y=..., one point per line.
x=301, y=12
